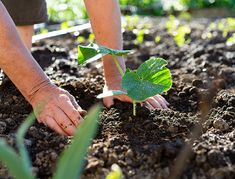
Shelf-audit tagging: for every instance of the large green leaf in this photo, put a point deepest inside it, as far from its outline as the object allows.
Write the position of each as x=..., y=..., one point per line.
x=151, y=78
x=71, y=162
x=13, y=162
x=92, y=50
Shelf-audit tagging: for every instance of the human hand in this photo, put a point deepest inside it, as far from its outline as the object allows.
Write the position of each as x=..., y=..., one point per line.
x=155, y=102
x=57, y=109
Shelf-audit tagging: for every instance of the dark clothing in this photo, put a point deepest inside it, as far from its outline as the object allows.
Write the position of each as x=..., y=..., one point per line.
x=26, y=12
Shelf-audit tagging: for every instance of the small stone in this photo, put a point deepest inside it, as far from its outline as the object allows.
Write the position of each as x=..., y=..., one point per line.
x=216, y=158
x=53, y=156
x=182, y=94
x=231, y=101
x=14, y=98
x=220, y=124
x=227, y=116
x=173, y=129
x=197, y=83
x=200, y=159
x=193, y=90
x=231, y=135
x=129, y=153
x=92, y=165
x=3, y=127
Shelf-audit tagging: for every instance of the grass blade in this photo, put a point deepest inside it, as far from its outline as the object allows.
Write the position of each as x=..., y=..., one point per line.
x=15, y=165
x=20, y=140
x=71, y=162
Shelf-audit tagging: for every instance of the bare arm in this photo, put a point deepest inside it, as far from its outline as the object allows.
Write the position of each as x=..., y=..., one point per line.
x=16, y=61
x=105, y=18
x=59, y=109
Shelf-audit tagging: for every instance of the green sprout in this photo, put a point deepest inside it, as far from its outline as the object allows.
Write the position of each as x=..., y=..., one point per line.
x=178, y=31
x=157, y=39
x=172, y=24
x=231, y=40
x=131, y=22
x=116, y=172
x=140, y=36
x=91, y=37
x=71, y=161
x=64, y=25
x=81, y=39
x=151, y=78
x=227, y=25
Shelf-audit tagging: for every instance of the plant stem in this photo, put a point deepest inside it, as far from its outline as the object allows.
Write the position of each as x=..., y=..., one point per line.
x=134, y=108
x=118, y=66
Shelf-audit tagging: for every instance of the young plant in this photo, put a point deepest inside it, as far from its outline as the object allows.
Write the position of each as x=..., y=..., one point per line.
x=116, y=172
x=71, y=161
x=151, y=78
x=139, y=36
x=180, y=35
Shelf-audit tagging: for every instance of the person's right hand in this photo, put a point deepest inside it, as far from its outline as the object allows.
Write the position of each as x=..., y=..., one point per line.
x=57, y=109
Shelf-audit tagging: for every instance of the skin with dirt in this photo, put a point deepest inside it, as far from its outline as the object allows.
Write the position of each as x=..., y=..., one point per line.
x=147, y=145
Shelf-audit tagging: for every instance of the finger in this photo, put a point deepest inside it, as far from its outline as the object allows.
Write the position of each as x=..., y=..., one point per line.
x=108, y=102
x=163, y=99
x=123, y=98
x=154, y=103
x=68, y=108
x=63, y=121
x=148, y=105
x=50, y=122
x=161, y=102
x=75, y=104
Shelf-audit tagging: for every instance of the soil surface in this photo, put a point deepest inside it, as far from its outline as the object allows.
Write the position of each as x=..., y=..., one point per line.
x=149, y=144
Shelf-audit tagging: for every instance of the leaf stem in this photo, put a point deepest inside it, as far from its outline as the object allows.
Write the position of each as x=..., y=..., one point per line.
x=118, y=65
x=134, y=108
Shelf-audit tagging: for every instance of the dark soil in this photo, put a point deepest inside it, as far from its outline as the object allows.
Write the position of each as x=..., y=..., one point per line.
x=145, y=146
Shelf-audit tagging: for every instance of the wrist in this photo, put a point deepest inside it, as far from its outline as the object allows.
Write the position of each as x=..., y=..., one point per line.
x=38, y=88
x=112, y=75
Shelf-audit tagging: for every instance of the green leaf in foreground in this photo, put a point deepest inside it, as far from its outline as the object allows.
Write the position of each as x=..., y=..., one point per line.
x=151, y=78
x=19, y=165
x=13, y=162
x=87, y=52
x=71, y=162
x=20, y=139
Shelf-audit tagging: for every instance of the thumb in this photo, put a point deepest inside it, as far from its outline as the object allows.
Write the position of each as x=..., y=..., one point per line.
x=108, y=101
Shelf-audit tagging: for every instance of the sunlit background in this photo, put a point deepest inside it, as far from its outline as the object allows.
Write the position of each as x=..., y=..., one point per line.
x=64, y=10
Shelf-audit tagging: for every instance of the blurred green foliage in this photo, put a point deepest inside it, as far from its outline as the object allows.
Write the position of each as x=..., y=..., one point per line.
x=65, y=10
x=208, y=3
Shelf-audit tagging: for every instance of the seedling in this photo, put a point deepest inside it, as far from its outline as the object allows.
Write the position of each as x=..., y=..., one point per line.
x=71, y=161
x=151, y=78
x=180, y=35
x=227, y=25
x=139, y=36
x=157, y=39
x=231, y=40
x=116, y=172
x=178, y=31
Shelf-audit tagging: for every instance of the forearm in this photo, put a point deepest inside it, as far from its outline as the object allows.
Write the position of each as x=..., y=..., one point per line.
x=16, y=61
x=105, y=19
